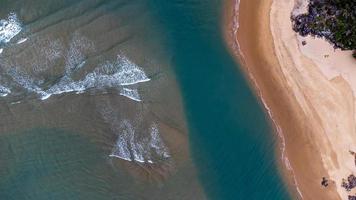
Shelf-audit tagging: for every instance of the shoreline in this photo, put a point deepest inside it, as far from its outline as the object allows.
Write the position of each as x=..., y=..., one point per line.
x=280, y=77
x=231, y=31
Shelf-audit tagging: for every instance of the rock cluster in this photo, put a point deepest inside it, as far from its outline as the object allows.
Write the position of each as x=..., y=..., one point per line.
x=351, y=197
x=325, y=182
x=350, y=183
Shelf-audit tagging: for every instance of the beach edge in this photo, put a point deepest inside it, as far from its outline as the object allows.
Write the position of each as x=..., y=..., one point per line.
x=256, y=55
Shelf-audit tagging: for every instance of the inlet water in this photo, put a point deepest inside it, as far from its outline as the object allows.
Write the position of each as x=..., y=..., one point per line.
x=232, y=141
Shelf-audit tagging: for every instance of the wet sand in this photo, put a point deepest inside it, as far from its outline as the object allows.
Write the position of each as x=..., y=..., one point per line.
x=307, y=94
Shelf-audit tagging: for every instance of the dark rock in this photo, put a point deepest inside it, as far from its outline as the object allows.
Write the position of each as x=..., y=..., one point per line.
x=350, y=183
x=351, y=197
x=324, y=182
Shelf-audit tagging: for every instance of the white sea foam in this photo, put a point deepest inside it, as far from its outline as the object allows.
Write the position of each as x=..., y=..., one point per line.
x=4, y=91
x=75, y=58
x=9, y=28
x=16, y=102
x=1, y=50
x=157, y=143
x=121, y=149
x=117, y=74
x=121, y=73
x=22, y=40
x=235, y=29
x=24, y=81
x=110, y=75
x=235, y=20
x=45, y=53
x=129, y=147
x=81, y=65
x=129, y=73
x=138, y=150
x=131, y=94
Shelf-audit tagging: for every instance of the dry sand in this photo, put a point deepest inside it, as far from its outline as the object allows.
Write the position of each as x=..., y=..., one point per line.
x=307, y=90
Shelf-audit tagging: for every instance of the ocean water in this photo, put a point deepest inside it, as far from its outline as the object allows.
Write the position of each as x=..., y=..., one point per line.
x=127, y=99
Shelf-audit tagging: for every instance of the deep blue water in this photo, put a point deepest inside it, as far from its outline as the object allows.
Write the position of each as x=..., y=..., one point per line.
x=232, y=141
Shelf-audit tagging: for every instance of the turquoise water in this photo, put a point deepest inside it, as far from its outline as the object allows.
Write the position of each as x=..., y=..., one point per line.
x=230, y=136
x=231, y=142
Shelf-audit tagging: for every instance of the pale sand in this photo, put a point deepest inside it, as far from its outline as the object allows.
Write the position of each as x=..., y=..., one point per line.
x=309, y=96
x=323, y=81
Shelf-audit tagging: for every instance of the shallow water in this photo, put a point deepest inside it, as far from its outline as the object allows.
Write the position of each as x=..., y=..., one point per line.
x=119, y=99
x=89, y=105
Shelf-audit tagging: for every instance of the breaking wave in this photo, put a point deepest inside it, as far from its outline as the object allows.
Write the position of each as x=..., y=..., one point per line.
x=19, y=76
x=131, y=94
x=9, y=28
x=121, y=73
x=136, y=142
x=129, y=147
x=4, y=91
x=49, y=53
x=22, y=40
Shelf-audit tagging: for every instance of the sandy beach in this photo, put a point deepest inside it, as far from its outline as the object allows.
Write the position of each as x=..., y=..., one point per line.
x=308, y=91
